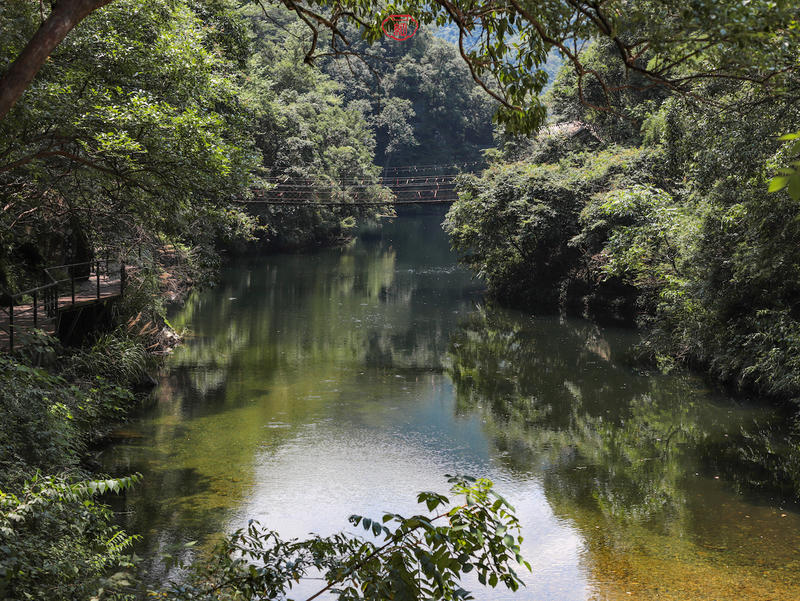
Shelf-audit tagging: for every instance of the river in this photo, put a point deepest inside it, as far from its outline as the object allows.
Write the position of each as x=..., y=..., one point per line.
x=314, y=386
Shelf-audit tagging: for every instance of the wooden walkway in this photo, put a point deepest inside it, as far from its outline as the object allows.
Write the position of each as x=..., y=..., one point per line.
x=86, y=294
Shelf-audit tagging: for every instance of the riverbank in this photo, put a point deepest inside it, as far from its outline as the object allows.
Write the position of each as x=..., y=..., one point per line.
x=582, y=226
x=117, y=362
x=58, y=406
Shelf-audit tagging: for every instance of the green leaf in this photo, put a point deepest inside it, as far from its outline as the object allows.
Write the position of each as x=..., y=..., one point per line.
x=778, y=183
x=794, y=186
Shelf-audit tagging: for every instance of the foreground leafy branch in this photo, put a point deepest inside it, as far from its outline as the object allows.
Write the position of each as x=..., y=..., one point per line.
x=57, y=541
x=789, y=177
x=417, y=557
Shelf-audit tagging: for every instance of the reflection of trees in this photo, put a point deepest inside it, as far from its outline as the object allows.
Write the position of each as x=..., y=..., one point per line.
x=364, y=306
x=765, y=456
x=251, y=319
x=630, y=460
x=553, y=396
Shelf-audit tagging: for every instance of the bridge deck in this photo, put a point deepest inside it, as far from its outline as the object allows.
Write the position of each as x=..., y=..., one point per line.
x=85, y=295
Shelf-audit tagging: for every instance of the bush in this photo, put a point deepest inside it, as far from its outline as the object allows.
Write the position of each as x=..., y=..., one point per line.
x=48, y=420
x=57, y=542
x=515, y=224
x=38, y=431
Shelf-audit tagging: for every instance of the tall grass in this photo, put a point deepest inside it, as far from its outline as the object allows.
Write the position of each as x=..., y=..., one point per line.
x=116, y=357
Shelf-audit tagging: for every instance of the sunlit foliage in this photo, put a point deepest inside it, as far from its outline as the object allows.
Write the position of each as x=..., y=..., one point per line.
x=691, y=241
x=132, y=132
x=415, y=557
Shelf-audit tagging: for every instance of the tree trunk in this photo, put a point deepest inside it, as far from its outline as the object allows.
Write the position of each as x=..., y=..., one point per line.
x=66, y=14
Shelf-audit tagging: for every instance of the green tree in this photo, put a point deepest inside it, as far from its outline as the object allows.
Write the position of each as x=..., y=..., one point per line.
x=132, y=134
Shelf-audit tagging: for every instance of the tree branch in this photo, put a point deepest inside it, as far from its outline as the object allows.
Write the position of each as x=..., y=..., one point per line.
x=66, y=14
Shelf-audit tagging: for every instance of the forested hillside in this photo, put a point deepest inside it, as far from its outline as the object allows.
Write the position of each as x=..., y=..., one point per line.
x=394, y=104
x=652, y=206
x=420, y=99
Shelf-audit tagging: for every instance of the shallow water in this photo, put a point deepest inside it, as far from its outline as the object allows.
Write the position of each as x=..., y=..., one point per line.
x=316, y=386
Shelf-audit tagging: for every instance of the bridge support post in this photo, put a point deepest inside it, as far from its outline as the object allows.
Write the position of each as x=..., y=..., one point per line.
x=35, y=309
x=97, y=272
x=11, y=326
x=72, y=285
x=123, y=275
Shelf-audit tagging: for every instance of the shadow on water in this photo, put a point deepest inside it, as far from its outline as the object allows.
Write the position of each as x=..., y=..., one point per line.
x=679, y=491
x=314, y=386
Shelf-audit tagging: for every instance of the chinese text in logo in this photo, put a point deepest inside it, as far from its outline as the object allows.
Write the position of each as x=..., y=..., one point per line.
x=400, y=27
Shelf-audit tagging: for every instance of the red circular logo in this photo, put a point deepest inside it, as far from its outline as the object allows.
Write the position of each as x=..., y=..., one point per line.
x=400, y=27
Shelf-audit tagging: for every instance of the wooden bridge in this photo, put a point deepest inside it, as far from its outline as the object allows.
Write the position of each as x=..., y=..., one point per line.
x=69, y=288
x=410, y=185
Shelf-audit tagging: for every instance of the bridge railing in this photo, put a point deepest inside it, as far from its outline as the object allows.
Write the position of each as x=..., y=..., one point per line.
x=405, y=188
x=65, y=286
x=389, y=172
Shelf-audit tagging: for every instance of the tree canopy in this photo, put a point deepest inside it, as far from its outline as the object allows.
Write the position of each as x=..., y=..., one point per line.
x=658, y=210
x=505, y=43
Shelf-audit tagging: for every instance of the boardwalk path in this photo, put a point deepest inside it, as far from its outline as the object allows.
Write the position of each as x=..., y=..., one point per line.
x=86, y=294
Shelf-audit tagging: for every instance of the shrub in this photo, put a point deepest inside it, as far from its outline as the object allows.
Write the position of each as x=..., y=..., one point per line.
x=38, y=428
x=49, y=420
x=57, y=542
x=515, y=224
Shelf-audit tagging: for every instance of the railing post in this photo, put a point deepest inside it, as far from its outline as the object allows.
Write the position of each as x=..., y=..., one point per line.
x=97, y=272
x=72, y=284
x=11, y=326
x=122, y=276
x=35, y=316
x=54, y=296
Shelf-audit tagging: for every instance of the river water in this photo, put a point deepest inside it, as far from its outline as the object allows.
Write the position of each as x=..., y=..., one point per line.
x=319, y=385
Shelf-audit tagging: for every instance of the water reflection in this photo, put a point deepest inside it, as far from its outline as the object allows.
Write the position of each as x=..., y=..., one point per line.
x=315, y=386
x=350, y=335
x=672, y=486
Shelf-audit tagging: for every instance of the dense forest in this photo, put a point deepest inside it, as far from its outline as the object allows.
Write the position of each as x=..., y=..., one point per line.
x=656, y=210
x=641, y=167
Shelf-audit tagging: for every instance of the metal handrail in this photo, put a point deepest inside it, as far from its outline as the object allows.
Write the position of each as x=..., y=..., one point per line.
x=54, y=282
x=53, y=301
